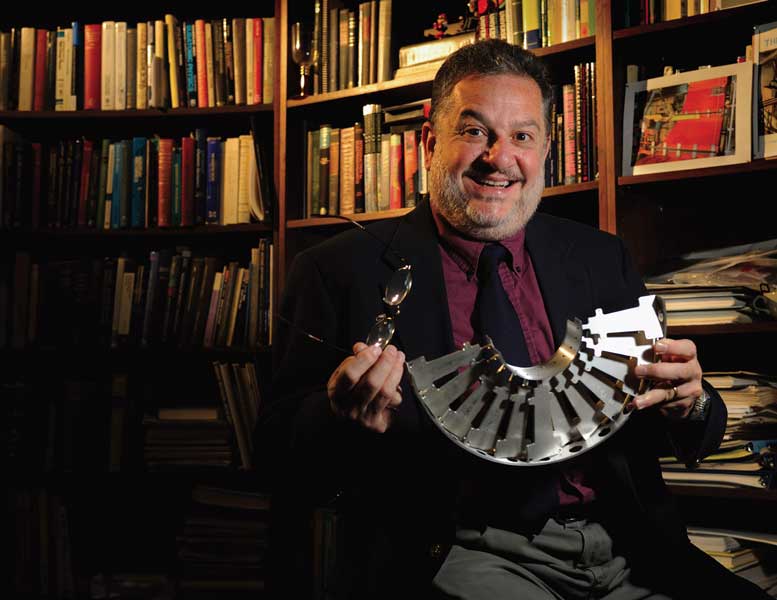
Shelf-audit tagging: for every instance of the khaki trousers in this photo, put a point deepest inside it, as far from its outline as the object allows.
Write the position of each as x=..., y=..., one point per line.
x=565, y=561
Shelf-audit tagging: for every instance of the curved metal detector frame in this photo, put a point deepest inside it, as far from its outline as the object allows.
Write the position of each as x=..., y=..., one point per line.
x=547, y=413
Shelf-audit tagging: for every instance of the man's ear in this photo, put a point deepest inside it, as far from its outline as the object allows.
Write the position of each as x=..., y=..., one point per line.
x=547, y=148
x=429, y=140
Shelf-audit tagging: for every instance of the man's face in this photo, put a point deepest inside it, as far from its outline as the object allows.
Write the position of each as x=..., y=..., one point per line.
x=487, y=155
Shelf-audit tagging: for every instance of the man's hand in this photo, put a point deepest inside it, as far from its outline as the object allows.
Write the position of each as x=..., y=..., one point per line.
x=365, y=386
x=676, y=379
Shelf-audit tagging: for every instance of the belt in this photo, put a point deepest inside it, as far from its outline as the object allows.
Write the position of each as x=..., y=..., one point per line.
x=572, y=513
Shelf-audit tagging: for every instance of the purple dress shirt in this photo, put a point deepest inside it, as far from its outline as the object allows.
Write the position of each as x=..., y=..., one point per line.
x=459, y=265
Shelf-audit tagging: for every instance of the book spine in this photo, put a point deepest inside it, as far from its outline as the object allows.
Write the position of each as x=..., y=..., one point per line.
x=164, y=182
x=187, y=181
x=138, y=204
x=324, y=144
x=202, y=68
x=141, y=69
x=358, y=168
x=212, y=196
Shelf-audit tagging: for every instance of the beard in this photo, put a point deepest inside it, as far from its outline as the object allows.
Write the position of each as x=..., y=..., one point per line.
x=452, y=204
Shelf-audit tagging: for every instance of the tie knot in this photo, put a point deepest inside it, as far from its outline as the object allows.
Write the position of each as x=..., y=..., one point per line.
x=490, y=258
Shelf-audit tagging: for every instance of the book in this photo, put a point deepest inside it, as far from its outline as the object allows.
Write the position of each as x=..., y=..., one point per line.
x=434, y=50
x=735, y=559
x=765, y=96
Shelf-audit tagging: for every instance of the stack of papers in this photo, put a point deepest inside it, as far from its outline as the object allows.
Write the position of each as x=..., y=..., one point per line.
x=750, y=554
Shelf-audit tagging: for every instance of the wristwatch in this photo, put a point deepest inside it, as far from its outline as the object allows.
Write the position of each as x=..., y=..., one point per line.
x=700, y=407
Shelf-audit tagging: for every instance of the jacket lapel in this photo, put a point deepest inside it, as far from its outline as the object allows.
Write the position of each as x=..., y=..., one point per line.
x=555, y=274
x=423, y=324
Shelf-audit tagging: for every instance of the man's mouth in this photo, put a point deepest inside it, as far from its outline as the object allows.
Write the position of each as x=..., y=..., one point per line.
x=494, y=183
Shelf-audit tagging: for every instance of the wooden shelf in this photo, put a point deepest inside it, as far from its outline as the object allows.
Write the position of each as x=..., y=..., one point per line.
x=715, y=17
x=749, y=167
x=152, y=113
x=361, y=218
x=744, y=493
x=555, y=49
x=134, y=352
x=732, y=328
x=399, y=212
x=198, y=231
x=572, y=188
x=393, y=84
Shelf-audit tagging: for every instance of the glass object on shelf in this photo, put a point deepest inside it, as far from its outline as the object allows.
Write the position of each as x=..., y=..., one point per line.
x=305, y=54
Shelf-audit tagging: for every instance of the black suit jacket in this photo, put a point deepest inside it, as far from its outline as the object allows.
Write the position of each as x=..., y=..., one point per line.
x=399, y=490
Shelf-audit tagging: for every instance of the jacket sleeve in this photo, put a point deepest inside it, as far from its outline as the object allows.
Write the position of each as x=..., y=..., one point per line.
x=689, y=441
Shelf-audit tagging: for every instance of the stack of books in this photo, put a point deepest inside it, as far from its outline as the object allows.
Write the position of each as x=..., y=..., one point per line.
x=712, y=305
x=720, y=286
x=751, y=555
x=223, y=543
x=749, y=448
x=187, y=437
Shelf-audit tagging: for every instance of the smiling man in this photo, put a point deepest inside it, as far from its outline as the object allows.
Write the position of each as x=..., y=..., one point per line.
x=487, y=154
x=423, y=518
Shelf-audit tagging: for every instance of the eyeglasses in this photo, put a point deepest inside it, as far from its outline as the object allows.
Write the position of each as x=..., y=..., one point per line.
x=397, y=288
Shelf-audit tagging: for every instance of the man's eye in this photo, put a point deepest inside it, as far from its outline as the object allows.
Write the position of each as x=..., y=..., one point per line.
x=522, y=137
x=473, y=131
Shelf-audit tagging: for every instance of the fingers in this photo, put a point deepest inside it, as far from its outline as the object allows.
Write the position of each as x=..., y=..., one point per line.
x=351, y=370
x=365, y=386
x=671, y=401
x=670, y=350
x=676, y=379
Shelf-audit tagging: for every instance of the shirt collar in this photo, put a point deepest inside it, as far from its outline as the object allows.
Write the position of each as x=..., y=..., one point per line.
x=465, y=252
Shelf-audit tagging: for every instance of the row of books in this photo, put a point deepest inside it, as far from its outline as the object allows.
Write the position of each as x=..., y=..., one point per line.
x=169, y=298
x=573, y=156
x=641, y=12
x=42, y=565
x=540, y=23
x=207, y=436
x=357, y=169
x=748, y=453
x=75, y=424
x=161, y=63
x=353, y=45
x=139, y=182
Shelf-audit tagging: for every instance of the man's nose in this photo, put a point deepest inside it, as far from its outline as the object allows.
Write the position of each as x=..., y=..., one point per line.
x=501, y=153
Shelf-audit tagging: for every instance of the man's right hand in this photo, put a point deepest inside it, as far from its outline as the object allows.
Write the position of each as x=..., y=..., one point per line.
x=365, y=387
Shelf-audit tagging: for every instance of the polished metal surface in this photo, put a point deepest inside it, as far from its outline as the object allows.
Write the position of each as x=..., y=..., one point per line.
x=547, y=413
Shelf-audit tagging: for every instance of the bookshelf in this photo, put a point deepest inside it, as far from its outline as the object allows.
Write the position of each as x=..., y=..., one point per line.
x=659, y=216
x=97, y=494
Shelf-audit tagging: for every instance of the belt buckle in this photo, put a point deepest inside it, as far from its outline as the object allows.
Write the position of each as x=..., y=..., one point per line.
x=570, y=521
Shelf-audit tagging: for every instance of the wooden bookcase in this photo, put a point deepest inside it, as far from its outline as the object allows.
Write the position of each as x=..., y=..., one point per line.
x=659, y=216
x=71, y=512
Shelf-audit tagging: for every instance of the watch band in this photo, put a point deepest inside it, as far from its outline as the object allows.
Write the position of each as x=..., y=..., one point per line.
x=700, y=407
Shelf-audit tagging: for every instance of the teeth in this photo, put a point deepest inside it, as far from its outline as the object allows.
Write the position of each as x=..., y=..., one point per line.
x=500, y=184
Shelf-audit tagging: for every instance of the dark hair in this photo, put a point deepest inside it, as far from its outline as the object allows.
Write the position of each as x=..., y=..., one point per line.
x=490, y=57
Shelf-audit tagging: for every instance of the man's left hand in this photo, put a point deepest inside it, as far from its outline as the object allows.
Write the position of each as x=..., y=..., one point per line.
x=675, y=379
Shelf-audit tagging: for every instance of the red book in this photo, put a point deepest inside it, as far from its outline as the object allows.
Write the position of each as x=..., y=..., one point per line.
x=83, y=194
x=395, y=171
x=187, y=181
x=202, y=67
x=164, y=178
x=92, y=66
x=411, y=167
x=258, y=58
x=39, y=89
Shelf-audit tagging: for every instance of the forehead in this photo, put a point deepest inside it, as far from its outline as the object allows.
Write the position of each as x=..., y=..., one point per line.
x=504, y=96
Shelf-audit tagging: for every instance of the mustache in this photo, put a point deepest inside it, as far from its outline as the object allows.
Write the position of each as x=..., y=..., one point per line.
x=481, y=169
